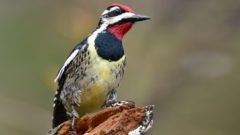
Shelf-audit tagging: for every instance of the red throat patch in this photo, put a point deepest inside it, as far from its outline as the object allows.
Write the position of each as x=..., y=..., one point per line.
x=119, y=30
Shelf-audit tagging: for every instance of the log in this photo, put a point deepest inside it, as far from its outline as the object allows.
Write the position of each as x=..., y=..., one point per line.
x=125, y=119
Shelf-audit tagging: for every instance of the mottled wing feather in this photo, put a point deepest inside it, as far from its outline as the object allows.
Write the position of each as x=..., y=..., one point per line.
x=59, y=111
x=67, y=62
x=78, y=49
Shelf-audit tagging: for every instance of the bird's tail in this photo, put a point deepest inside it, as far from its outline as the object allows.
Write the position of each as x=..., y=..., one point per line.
x=59, y=112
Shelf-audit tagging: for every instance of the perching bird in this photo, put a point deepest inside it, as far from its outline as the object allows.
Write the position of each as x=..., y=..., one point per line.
x=90, y=77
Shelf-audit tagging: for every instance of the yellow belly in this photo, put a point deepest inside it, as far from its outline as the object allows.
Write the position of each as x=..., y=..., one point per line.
x=92, y=99
x=104, y=73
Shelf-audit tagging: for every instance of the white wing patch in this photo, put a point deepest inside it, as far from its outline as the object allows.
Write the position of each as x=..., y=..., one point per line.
x=70, y=58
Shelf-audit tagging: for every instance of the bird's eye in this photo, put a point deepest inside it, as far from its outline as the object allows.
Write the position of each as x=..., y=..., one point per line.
x=118, y=12
x=114, y=13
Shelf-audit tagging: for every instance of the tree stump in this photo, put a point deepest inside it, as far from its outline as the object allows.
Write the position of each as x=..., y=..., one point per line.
x=125, y=119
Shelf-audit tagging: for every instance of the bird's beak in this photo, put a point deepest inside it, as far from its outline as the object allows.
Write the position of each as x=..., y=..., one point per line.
x=138, y=17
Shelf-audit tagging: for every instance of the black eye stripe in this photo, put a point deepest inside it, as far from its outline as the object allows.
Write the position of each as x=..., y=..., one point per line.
x=115, y=12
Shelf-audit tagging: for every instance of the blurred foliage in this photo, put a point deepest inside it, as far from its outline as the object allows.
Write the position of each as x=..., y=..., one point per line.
x=185, y=60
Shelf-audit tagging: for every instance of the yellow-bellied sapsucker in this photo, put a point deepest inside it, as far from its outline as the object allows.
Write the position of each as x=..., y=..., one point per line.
x=93, y=71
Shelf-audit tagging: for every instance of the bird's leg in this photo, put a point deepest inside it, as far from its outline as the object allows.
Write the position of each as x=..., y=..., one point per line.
x=111, y=98
x=74, y=115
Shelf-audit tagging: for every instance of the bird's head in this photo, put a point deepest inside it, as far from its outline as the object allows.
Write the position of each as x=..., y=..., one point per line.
x=119, y=19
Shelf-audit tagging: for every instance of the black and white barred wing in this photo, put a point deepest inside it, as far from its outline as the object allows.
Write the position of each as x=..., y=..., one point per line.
x=59, y=111
x=72, y=56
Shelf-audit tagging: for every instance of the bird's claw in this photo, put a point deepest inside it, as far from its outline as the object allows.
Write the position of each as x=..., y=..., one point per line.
x=74, y=115
x=72, y=133
x=120, y=103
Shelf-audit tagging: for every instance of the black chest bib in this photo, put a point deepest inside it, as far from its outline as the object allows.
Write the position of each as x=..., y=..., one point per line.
x=108, y=46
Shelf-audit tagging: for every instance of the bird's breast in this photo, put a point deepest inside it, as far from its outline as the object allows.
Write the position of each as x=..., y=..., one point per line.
x=108, y=46
x=101, y=77
x=105, y=73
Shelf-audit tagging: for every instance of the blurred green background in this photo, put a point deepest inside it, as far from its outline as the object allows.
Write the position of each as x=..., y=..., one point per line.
x=185, y=60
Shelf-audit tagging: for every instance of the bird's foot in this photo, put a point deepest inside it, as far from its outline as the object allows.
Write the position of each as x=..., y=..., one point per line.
x=72, y=133
x=119, y=103
x=74, y=115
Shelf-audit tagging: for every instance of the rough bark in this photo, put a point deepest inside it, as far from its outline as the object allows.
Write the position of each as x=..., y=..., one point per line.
x=125, y=119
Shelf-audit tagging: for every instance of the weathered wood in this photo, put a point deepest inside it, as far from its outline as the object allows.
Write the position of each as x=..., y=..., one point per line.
x=121, y=120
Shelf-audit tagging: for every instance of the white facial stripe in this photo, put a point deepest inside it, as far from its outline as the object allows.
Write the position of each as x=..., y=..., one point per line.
x=105, y=12
x=115, y=19
x=113, y=8
x=110, y=10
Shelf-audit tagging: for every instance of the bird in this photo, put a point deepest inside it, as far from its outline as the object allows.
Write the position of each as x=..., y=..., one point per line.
x=90, y=77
